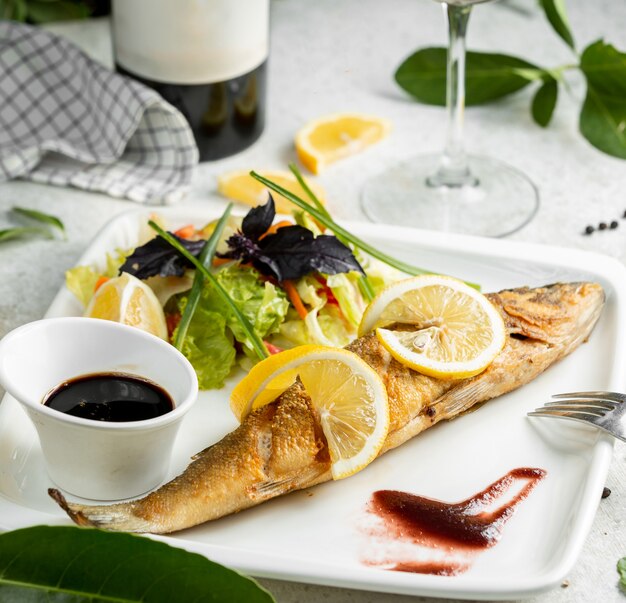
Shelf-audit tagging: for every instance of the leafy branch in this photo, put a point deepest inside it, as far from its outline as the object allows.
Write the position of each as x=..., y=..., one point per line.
x=45, y=11
x=491, y=76
x=32, y=216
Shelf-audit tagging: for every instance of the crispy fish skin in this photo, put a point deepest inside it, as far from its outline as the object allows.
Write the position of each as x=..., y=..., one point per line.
x=281, y=447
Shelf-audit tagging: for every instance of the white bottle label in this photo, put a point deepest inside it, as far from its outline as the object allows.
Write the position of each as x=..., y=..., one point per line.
x=190, y=41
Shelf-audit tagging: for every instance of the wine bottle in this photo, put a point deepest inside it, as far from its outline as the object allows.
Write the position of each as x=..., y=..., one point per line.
x=208, y=58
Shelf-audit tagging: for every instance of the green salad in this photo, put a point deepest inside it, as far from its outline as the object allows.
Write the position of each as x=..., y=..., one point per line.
x=292, y=281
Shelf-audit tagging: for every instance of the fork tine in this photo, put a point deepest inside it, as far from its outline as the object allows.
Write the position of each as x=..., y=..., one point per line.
x=582, y=408
x=576, y=403
x=598, y=409
x=575, y=416
x=596, y=395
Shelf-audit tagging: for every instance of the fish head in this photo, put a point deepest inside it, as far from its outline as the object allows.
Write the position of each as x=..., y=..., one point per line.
x=562, y=314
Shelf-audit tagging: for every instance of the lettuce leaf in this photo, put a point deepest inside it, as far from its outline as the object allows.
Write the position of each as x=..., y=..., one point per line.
x=115, y=260
x=308, y=287
x=263, y=304
x=329, y=327
x=305, y=220
x=81, y=280
x=209, y=347
x=213, y=330
x=323, y=325
x=379, y=274
x=345, y=288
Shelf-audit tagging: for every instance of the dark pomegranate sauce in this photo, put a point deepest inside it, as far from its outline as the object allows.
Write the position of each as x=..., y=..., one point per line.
x=114, y=397
x=459, y=529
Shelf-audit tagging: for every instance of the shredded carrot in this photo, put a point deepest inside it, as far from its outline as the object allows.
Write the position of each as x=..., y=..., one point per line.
x=186, y=232
x=172, y=320
x=294, y=298
x=101, y=280
x=274, y=227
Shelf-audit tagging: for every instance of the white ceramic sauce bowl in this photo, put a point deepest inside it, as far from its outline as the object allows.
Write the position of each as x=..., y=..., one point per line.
x=97, y=459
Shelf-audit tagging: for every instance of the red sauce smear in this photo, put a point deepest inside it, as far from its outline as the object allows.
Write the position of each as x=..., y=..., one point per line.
x=434, y=568
x=464, y=527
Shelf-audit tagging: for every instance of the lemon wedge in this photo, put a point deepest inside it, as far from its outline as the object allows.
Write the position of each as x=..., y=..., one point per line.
x=240, y=186
x=334, y=137
x=443, y=327
x=348, y=395
x=130, y=301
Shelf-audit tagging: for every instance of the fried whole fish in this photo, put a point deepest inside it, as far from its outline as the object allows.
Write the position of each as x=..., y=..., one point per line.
x=281, y=447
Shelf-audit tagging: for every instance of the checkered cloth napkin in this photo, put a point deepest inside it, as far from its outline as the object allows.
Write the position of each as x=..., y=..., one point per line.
x=67, y=120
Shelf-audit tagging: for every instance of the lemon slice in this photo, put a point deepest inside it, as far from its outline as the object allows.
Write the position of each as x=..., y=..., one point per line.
x=240, y=186
x=128, y=300
x=346, y=392
x=444, y=328
x=333, y=137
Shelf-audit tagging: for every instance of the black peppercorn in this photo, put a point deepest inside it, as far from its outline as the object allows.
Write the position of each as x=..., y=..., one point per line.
x=606, y=492
x=624, y=214
x=602, y=226
x=613, y=224
x=589, y=229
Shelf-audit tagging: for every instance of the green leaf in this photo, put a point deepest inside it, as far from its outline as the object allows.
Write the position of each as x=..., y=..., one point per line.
x=262, y=303
x=557, y=16
x=40, y=11
x=544, y=102
x=621, y=569
x=39, y=216
x=488, y=76
x=59, y=563
x=209, y=347
x=19, y=232
x=603, y=116
x=13, y=10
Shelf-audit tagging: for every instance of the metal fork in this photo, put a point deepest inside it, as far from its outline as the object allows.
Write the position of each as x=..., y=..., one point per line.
x=605, y=410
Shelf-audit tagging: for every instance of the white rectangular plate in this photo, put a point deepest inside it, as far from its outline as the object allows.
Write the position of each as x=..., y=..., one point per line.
x=313, y=536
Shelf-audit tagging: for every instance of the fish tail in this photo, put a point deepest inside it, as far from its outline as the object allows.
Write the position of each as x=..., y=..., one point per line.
x=117, y=517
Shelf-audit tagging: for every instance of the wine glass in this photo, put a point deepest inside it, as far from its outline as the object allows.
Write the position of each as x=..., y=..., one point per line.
x=453, y=191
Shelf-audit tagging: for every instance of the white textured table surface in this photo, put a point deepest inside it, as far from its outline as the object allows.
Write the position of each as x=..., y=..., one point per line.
x=330, y=56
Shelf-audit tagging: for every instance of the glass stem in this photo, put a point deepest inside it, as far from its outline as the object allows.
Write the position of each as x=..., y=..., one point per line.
x=453, y=169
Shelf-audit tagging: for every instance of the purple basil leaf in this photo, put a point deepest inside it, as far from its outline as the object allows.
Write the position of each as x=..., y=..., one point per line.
x=157, y=256
x=258, y=220
x=267, y=265
x=240, y=248
x=332, y=256
x=294, y=252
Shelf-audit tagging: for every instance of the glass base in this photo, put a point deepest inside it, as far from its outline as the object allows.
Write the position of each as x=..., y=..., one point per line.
x=498, y=201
